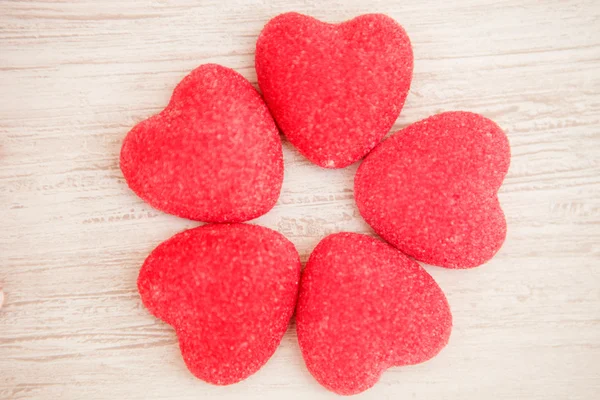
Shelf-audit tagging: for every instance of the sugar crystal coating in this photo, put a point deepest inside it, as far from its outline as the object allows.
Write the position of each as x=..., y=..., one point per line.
x=213, y=154
x=229, y=290
x=431, y=189
x=335, y=90
x=364, y=307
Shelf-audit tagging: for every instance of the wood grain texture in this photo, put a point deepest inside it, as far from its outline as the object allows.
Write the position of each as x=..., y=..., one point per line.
x=75, y=76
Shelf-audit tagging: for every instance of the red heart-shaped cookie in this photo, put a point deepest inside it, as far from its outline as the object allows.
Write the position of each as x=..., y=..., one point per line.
x=364, y=307
x=228, y=290
x=335, y=90
x=431, y=189
x=213, y=154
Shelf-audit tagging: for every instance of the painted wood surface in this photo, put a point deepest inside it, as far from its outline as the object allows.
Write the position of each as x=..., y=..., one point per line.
x=76, y=76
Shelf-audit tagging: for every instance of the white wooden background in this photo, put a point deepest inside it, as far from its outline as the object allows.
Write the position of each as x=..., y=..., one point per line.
x=76, y=76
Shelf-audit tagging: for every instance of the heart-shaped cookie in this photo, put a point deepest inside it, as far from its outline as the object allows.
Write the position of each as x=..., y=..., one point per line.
x=431, y=189
x=228, y=290
x=335, y=90
x=213, y=154
x=364, y=307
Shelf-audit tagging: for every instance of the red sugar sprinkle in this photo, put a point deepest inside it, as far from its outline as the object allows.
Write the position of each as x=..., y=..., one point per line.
x=431, y=189
x=213, y=154
x=228, y=290
x=335, y=90
x=364, y=307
